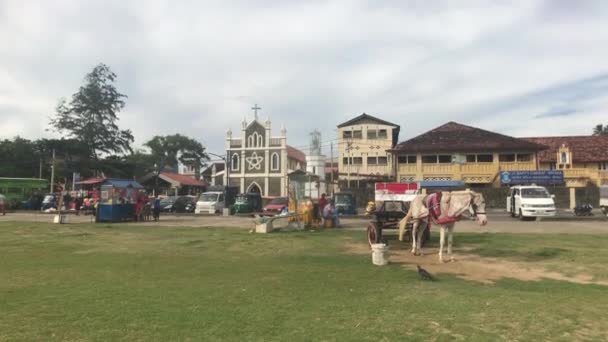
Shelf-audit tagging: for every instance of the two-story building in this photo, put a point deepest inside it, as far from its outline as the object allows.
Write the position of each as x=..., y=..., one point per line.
x=584, y=159
x=363, y=143
x=456, y=152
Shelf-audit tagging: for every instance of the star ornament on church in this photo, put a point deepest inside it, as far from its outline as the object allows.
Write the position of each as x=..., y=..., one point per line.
x=254, y=161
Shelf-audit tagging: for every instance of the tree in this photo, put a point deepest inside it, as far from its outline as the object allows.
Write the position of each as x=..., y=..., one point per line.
x=194, y=156
x=168, y=151
x=19, y=158
x=600, y=130
x=91, y=116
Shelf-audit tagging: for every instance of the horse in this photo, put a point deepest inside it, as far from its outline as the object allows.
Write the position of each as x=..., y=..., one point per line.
x=444, y=209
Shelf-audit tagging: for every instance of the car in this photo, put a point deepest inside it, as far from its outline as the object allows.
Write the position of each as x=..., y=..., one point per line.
x=345, y=203
x=184, y=204
x=166, y=204
x=49, y=202
x=276, y=205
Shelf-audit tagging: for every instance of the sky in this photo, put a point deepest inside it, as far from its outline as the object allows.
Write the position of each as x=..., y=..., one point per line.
x=522, y=68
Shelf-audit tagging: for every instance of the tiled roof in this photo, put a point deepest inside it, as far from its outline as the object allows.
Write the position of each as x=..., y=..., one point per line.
x=455, y=137
x=364, y=118
x=91, y=181
x=296, y=154
x=182, y=179
x=585, y=149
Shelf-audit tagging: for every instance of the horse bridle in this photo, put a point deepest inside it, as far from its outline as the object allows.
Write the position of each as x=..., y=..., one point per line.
x=475, y=212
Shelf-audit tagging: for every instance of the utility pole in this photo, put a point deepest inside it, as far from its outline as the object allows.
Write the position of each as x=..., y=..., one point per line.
x=53, y=172
x=349, y=158
x=40, y=169
x=331, y=167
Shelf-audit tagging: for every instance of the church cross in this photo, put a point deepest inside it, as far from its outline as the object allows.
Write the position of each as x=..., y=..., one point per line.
x=255, y=109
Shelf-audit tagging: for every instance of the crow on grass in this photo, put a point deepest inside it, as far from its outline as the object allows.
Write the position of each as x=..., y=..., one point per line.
x=424, y=275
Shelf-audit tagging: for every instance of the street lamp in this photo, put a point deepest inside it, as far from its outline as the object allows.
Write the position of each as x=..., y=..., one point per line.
x=156, y=174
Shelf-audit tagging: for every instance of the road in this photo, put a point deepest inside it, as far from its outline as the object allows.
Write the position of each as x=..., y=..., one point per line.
x=499, y=222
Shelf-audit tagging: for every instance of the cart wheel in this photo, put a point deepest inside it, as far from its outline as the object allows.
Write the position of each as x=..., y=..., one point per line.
x=374, y=233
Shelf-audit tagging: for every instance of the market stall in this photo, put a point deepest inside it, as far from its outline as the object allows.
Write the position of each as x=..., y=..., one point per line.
x=118, y=200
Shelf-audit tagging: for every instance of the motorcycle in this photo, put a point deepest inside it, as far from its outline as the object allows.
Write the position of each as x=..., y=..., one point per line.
x=584, y=209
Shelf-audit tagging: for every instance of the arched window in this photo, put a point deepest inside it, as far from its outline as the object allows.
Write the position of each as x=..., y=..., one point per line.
x=255, y=140
x=235, y=162
x=274, y=162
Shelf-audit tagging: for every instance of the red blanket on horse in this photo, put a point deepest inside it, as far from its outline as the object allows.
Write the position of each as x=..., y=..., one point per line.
x=433, y=203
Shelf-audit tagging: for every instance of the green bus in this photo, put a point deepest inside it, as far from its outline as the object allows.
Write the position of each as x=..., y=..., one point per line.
x=18, y=190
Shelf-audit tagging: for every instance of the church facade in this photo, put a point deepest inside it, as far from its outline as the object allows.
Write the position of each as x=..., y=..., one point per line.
x=259, y=162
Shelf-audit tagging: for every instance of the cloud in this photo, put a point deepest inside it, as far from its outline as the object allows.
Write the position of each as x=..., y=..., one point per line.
x=521, y=68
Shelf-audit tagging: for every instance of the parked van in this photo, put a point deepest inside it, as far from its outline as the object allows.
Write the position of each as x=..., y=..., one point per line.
x=211, y=202
x=530, y=201
x=604, y=199
x=216, y=199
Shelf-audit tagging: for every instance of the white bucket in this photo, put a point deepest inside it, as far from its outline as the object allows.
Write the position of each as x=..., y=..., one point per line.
x=60, y=219
x=379, y=254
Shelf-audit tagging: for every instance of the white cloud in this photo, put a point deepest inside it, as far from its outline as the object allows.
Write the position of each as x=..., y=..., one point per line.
x=197, y=67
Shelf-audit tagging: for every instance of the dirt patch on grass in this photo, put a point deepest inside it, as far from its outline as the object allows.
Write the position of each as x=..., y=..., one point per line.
x=473, y=267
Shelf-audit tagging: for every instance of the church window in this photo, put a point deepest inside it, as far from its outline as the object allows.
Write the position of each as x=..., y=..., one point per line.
x=235, y=162
x=274, y=162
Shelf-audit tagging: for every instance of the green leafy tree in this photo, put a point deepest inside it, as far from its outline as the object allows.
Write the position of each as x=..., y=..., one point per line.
x=91, y=116
x=600, y=130
x=168, y=151
x=19, y=158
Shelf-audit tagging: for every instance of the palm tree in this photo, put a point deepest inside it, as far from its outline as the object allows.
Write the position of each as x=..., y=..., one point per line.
x=600, y=130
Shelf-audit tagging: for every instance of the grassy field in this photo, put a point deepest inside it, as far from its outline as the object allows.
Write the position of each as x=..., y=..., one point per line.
x=114, y=282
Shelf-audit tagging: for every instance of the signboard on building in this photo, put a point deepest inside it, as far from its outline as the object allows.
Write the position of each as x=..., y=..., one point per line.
x=541, y=177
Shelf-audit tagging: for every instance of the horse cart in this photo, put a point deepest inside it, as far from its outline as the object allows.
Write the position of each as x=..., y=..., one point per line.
x=390, y=206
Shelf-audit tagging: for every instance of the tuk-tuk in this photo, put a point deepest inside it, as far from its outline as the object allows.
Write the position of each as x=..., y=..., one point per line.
x=346, y=203
x=248, y=203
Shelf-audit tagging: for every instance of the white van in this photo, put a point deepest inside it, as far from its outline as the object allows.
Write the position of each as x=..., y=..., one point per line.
x=530, y=201
x=604, y=199
x=211, y=202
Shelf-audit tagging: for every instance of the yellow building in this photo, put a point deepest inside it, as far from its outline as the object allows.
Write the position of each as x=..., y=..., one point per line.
x=456, y=152
x=363, y=144
x=584, y=159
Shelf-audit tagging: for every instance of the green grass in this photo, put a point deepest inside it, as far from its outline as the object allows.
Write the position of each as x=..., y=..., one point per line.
x=115, y=282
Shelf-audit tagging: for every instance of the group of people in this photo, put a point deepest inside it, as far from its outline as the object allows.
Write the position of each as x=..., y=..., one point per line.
x=328, y=211
x=144, y=207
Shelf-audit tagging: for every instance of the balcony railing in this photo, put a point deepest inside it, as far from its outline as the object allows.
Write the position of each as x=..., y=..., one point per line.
x=439, y=168
x=478, y=168
x=407, y=168
x=375, y=169
x=236, y=143
x=275, y=142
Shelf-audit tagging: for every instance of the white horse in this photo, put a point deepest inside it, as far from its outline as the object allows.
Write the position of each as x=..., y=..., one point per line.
x=452, y=205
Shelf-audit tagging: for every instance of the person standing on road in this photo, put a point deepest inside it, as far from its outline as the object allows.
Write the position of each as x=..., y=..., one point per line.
x=156, y=208
x=2, y=204
x=322, y=205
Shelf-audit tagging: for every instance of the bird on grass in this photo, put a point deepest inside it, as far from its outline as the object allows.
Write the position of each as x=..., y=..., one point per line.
x=424, y=275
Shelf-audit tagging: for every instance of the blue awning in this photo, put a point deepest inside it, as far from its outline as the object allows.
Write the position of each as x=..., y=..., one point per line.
x=122, y=183
x=442, y=184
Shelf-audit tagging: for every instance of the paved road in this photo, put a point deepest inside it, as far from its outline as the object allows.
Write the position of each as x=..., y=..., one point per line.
x=498, y=223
